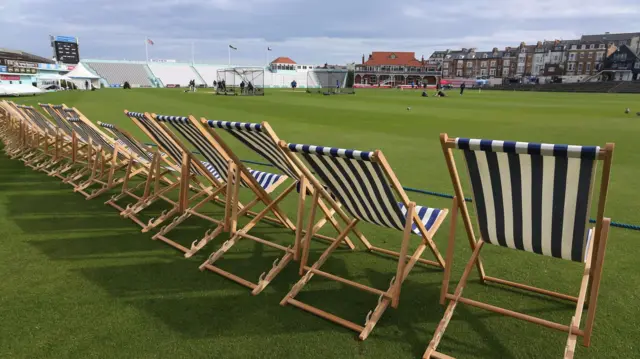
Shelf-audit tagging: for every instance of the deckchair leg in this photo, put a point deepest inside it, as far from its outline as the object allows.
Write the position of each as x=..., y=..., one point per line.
x=277, y=266
x=433, y=345
x=595, y=284
x=402, y=259
x=450, y=250
x=323, y=257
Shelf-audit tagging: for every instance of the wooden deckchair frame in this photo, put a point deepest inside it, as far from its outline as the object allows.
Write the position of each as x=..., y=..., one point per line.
x=271, y=205
x=160, y=193
x=81, y=153
x=25, y=132
x=233, y=207
x=183, y=185
x=217, y=189
x=44, y=139
x=589, y=288
x=406, y=262
x=303, y=191
x=156, y=173
x=109, y=161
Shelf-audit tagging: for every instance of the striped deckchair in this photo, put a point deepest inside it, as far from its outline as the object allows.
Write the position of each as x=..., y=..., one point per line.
x=260, y=138
x=75, y=140
x=230, y=175
x=534, y=198
x=108, y=159
x=364, y=183
x=43, y=135
x=156, y=169
x=186, y=165
x=23, y=147
x=12, y=128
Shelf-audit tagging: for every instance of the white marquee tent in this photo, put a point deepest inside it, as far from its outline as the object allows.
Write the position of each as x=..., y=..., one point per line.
x=80, y=75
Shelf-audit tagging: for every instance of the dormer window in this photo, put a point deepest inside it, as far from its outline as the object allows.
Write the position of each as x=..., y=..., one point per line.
x=392, y=56
x=485, y=56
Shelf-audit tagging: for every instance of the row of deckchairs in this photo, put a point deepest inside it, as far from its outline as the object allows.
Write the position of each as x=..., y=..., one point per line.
x=527, y=196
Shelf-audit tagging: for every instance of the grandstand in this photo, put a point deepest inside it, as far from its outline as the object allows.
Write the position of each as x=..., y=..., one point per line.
x=175, y=73
x=116, y=73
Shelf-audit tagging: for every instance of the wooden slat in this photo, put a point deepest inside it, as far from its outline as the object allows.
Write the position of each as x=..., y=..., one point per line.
x=231, y=276
x=396, y=254
x=265, y=242
x=531, y=289
x=511, y=313
x=357, y=285
x=325, y=315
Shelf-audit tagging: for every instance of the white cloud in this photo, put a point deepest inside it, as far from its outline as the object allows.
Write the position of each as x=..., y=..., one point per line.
x=334, y=31
x=520, y=10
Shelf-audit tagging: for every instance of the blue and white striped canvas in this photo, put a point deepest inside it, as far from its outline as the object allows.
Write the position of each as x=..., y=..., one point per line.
x=252, y=135
x=215, y=159
x=533, y=197
x=61, y=123
x=129, y=143
x=161, y=139
x=361, y=186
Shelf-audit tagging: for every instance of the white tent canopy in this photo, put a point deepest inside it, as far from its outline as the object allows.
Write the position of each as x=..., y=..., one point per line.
x=81, y=72
x=53, y=77
x=80, y=75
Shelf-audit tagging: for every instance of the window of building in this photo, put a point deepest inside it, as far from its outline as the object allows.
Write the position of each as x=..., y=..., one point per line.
x=493, y=63
x=588, y=66
x=601, y=46
x=459, y=64
x=571, y=67
x=582, y=55
x=445, y=73
x=583, y=47
x=552, y=69
x=483, y=64
x=459, y=73
x=299, y=67
x=599, y=56
x=637, y=65
x=590, y=55
x=483, y=72
x=469, y=65
x=592, y=46
x=446, y=65
x=580, y=67
x=492, y=72
x=506, y=62
x=572, y=57
x=573, y=47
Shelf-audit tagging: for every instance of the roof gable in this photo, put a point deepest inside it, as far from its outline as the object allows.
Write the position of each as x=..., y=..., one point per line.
x=283, y=60
x=378, y=58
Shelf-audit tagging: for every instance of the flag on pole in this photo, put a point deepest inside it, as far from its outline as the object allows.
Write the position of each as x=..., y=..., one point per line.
x=269, y=49
x=149, y=41
x=233, y=48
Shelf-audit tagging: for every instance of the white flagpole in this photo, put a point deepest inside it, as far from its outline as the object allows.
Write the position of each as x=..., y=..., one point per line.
x=146, y=47
x=229, y=48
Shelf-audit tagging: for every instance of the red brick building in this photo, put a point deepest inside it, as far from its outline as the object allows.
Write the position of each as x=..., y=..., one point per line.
x=396, y=68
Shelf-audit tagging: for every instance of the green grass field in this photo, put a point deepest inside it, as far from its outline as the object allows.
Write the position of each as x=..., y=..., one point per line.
x=78, y=281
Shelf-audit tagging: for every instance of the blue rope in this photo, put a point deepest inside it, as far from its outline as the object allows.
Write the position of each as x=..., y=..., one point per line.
x=441, y=195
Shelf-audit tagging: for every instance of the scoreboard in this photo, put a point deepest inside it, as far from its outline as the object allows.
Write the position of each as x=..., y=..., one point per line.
x=66, y=49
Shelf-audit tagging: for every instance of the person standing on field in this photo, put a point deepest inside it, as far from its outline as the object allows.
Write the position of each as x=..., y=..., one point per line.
x=462, y=87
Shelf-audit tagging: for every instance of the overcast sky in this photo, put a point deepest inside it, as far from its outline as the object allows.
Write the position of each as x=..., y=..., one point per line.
x=315, y=32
